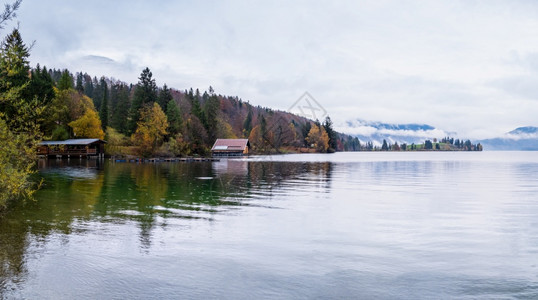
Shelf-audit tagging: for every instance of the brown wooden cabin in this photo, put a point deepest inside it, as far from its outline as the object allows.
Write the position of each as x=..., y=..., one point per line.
x=230, y=147
x=73, y=147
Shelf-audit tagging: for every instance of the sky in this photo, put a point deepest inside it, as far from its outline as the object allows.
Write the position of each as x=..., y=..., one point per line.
x=469, y=67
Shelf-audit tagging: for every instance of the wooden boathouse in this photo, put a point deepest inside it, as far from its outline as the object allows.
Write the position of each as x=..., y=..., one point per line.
x=230, y=147
x=73, y=148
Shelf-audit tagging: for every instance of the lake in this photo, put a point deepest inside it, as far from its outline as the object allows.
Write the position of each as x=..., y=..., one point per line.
x=347, y=225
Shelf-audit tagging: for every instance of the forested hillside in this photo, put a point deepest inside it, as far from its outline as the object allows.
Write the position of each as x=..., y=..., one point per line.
x=144, y=119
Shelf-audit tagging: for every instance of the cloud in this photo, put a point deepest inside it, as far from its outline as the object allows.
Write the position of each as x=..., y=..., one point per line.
x=465, y=66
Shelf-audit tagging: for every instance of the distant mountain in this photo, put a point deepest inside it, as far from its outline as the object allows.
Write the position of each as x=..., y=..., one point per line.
x=522, y=138
x=525, y=130
x=401, y=133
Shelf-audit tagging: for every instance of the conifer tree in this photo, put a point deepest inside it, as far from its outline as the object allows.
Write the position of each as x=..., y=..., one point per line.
x=103, y=112
x=164, y=97
x=173, y=115
x=145, y=93
x=66, y=81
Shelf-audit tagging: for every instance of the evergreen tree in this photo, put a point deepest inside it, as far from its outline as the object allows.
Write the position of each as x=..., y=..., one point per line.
x=103, y=112
x=165, y=96
x=328, y=125
x=97, y=93
x=145, y=94
x=88, y=85
x=305, y=130
x=247, y=124
x=14, y=65
x=79, y=86
x=120, y=110
x=66, y=81
x=212, y=108
x=385, y=146
x=173, y=115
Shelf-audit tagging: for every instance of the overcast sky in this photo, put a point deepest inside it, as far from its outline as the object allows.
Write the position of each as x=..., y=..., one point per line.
x=469, y=67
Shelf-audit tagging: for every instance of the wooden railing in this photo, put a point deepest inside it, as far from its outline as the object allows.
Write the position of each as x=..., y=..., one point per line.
x=67, y=152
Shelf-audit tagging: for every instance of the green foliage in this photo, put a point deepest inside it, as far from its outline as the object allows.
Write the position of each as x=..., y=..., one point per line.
x=103, y=112
x=328, y=125
x=164, y=97
x=175, y=122
x=115, y=138
x=428, y=145
x=247, y=124
x=66, y=81
x=145, y=93
x=17, y=160
x=212, y=108
x=59, y=134
x=14, y=65
x=119, y=95
x=79, y=86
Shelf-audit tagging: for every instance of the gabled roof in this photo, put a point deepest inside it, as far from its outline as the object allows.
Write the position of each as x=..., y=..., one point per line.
x=230, y=144
x=71, y=142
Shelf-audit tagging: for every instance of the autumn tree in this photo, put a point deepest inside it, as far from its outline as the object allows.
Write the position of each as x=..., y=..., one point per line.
x=88, y=126
x=318, y=139
x=151, y=129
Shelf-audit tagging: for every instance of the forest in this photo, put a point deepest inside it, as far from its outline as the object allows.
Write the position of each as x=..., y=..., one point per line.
x=142, y=119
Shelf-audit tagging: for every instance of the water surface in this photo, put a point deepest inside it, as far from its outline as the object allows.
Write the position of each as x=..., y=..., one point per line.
x=344, y=225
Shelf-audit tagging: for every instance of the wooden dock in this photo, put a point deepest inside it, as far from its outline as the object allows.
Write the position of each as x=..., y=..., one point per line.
x=167, y=159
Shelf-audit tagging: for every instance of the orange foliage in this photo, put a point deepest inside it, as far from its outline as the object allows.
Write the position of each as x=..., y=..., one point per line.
x=318, y=138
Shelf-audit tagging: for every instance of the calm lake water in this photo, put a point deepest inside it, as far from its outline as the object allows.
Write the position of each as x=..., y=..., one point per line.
x=345, y=225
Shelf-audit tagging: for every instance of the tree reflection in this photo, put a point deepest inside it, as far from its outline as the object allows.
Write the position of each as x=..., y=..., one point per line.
x=78, y=192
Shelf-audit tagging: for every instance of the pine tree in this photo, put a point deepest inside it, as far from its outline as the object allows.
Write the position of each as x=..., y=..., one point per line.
x=247, y=124
x=145, y=94
x=328, y=125
x=212, y=108
x=79, y=86
x=103, y=112
x=66, y=81
x=173, y=115
x=120, y=109
x=385, y=146
x=164, y=97
x=14, y=65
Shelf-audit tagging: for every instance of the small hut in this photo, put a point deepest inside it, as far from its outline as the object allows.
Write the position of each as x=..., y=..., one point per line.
x=230, y=147
x=73, y=147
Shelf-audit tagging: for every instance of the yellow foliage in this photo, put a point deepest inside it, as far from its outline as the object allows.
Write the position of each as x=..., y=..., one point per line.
x=151, y=129
x=318, y=138
x=88, y=126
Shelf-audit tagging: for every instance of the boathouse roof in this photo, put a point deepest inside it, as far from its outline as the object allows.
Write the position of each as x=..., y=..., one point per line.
x=230, y=145
x=72, y=142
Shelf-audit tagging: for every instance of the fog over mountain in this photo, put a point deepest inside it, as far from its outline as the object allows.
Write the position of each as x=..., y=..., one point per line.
x=521, y=138
x=376, y=132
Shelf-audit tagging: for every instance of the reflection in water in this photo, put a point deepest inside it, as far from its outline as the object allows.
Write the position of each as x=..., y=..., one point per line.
x=372, y=226
x=78, y=191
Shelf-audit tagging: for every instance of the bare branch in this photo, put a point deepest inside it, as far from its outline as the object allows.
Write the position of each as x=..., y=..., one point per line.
x=9, y=12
